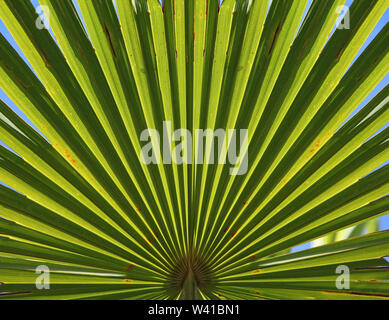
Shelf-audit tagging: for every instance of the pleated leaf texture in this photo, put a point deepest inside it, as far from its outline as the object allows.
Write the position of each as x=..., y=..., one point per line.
x=77, y=199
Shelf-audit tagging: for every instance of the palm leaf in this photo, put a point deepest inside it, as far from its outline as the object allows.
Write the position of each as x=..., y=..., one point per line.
x=78, y=199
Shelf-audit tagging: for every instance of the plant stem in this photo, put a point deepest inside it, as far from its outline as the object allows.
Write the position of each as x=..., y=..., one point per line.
x=189, y=290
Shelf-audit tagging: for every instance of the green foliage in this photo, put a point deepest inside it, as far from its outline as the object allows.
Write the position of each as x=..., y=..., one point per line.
x=110, y=227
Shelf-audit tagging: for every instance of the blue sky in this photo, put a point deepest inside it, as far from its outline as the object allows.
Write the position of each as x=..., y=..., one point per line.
x=385, y=19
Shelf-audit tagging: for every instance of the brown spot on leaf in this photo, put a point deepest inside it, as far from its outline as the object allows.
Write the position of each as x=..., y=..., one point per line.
x=130, y=267
x=6, y=66
x=274, y=39
x=107, y=33
x=21, y=83
x=339, y=54
x=362, y=76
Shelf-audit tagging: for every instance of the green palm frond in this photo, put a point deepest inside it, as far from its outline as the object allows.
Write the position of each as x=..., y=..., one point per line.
x=79, y=200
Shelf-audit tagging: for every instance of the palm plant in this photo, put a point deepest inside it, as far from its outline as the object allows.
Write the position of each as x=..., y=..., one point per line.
x=110, y=227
